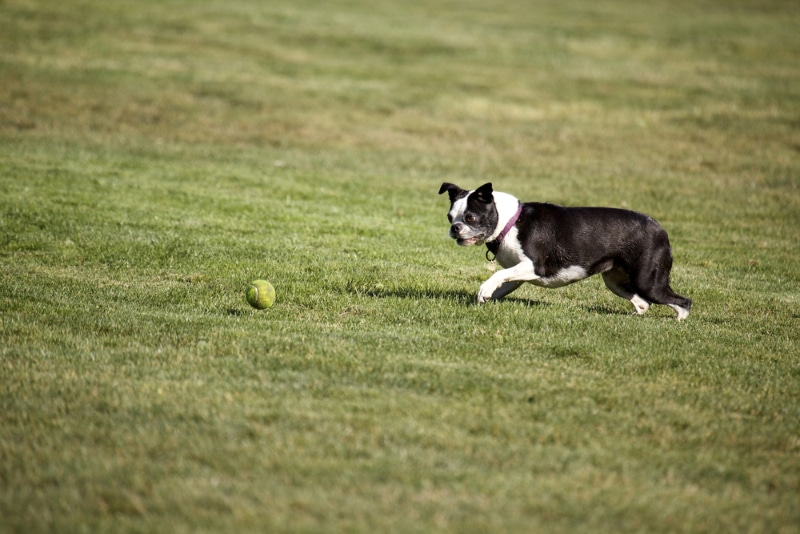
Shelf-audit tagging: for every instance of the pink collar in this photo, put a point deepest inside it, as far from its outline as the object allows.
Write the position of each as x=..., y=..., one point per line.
x=494, y=246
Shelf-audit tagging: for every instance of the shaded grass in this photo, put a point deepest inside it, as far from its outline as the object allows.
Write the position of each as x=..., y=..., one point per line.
x=154, y=157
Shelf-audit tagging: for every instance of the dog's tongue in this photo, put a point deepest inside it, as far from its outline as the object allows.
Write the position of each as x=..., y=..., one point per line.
x=467, y=242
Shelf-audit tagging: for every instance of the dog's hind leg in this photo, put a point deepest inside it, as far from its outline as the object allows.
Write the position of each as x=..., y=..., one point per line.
x=663, y=294
x=656, y=289
x=619, y=282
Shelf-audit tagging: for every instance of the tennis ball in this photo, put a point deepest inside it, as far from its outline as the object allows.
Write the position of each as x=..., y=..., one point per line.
x=260, y=294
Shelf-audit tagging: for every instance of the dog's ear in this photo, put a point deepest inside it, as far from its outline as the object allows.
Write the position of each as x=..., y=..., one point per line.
x=453, y=190
x=484, y=193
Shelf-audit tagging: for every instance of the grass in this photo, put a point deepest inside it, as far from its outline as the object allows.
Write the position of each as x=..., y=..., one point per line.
x=156, y=156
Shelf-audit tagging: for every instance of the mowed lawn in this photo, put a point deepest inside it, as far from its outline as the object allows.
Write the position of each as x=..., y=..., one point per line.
x=156, y=156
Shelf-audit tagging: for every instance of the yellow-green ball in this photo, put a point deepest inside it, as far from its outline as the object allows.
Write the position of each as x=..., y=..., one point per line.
x=260, y=294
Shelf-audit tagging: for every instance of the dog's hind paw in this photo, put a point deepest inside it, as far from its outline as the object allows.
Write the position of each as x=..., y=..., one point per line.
x=682, y=312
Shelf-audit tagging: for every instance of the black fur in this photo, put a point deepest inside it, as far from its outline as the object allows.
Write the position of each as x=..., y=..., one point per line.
x=630, y=249
x=563, y=245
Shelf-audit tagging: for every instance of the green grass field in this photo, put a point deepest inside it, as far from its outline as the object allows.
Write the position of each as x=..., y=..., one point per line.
x=156, y=156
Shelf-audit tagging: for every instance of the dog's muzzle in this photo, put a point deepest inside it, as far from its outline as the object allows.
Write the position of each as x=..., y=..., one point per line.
x=463, y=234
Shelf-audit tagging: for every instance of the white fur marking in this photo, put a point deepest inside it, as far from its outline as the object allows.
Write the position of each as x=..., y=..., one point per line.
x=563, y=277
x=683, y=313
x=521, y=272
x=506, y=206
x=458, y=209
x=511, y=252
x=639, y=304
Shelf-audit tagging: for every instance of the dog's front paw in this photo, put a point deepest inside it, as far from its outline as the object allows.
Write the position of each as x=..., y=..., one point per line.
x=485, y=292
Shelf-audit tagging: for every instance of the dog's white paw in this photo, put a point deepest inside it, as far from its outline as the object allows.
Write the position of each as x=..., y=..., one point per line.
x=683, y=313
x=639, y=304
x=485, y=292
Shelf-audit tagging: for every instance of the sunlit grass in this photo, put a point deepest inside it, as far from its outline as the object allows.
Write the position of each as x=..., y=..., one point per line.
x=157, y=156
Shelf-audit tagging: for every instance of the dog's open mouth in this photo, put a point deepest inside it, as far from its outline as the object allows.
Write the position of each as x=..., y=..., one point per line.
x=467, y=242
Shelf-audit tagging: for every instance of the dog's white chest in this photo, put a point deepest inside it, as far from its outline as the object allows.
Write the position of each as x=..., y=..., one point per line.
x=510, y=252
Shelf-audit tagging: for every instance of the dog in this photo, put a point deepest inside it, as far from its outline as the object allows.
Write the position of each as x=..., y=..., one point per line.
x=552, y=246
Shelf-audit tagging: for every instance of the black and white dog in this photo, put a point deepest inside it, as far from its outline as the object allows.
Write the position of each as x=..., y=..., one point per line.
x=552, y=246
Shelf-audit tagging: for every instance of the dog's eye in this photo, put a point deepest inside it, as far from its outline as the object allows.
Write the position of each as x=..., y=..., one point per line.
x=449, y=217
x=470, y=219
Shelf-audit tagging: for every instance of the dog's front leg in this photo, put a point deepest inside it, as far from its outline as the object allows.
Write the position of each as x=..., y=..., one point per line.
x=505, y=281
x=505, y=289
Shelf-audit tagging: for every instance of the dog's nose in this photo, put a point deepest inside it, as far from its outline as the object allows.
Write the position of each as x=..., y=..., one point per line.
x=455, y=229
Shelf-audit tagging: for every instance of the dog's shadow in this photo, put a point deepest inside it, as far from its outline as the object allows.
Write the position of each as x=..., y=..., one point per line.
x=465, y=298
x=469, y=299
x=607, y=310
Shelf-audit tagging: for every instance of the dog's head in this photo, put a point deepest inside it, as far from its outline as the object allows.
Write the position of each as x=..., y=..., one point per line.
x=472, y=215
